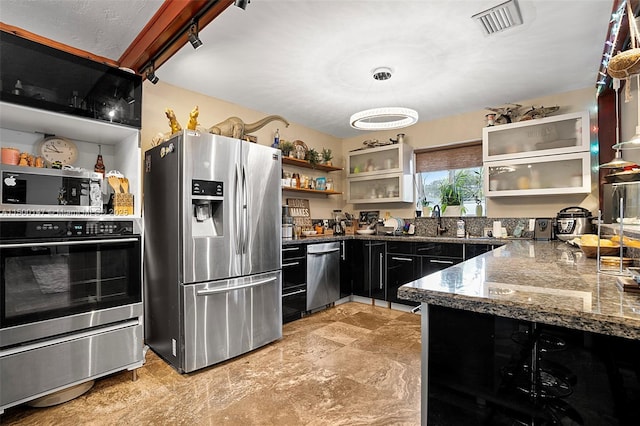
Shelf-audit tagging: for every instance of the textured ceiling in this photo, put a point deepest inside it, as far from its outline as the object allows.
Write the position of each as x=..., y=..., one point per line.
x=311, y=60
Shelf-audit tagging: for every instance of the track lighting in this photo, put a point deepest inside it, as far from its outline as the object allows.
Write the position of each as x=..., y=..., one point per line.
x=193, y=35
x=151, y=75
x=242, y=4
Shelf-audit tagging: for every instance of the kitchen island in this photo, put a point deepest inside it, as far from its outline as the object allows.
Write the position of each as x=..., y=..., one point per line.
x=531, y=333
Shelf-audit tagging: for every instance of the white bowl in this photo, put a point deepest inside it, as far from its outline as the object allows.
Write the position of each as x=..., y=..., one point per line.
x=309, y=233
x=365, y=231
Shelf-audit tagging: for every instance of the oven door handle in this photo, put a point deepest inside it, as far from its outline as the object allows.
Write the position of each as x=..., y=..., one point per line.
x=69, y=243
x=238, y=287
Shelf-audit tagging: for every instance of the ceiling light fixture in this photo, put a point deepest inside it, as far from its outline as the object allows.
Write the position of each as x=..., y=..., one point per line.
x=384, y=118
x=151, y=75
x=634, y=142
x=242, y=4
x=499, y=18
x=617, y=162
x=193, y=35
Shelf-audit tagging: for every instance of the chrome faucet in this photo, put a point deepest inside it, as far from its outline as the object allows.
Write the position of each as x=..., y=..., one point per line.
x=436, y=213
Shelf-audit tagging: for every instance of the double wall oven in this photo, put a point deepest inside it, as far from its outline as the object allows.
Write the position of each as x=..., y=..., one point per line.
x=70, y=303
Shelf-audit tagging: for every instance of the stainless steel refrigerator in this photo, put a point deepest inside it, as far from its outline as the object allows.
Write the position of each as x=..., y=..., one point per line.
x=212, y=263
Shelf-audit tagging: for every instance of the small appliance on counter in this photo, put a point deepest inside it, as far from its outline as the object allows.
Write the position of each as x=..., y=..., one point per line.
x=572, y=222
x=543, y=229
x=287, y=223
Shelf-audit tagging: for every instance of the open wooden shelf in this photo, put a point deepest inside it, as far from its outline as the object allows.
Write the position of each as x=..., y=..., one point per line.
x=307, y=165
x=310, y=191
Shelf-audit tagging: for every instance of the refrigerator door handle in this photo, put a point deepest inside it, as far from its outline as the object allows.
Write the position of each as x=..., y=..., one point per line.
x=236, y=213
x=245, y=212
x=225, y=289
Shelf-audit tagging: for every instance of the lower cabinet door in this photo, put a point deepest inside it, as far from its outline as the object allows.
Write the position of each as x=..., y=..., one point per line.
x=376, y=253
x=401, y=269
x=294, y=302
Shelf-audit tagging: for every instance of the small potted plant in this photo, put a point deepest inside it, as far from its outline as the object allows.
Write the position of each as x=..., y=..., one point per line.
x=286, y=147
x=313, y=156
x=451, y=195
x=426, y=208
x=326, y=156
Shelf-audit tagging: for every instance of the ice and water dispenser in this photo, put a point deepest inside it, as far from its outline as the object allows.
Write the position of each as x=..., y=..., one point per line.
x=207, y=198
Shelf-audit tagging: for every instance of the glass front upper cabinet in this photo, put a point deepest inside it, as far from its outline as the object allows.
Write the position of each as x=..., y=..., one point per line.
x=559, y=134
x=394, y=158
x=546, y=175
x=388, y=188
x=39, y=76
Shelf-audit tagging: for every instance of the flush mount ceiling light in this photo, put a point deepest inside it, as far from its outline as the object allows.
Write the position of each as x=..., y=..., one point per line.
x=384, y=118
x=499, y=18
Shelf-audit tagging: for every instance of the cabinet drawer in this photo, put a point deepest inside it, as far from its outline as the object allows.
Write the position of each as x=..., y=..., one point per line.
x=291, y=251
x=436, y=249
x=401, y=247
x=294, y=272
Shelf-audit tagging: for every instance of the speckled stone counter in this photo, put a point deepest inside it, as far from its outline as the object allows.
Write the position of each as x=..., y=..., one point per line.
x=407, y=238
x=548, y=282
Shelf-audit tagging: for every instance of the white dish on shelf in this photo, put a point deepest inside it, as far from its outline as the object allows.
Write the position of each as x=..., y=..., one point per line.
x=365, y=231
x=309, y=233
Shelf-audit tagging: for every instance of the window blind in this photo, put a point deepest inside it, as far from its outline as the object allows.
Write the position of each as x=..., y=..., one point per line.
x=459, y=156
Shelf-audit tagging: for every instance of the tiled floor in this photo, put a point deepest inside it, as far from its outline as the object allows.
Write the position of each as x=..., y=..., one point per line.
x=351, y=364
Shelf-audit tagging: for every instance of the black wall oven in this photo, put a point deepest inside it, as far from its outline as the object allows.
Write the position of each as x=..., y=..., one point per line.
x=62, y=281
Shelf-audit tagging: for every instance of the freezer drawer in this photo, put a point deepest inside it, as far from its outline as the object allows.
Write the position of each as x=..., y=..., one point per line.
x=34, y=370
x=323, y=274
x=227, y=318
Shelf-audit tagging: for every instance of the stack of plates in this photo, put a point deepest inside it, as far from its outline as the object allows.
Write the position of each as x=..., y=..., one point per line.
x=394, y=224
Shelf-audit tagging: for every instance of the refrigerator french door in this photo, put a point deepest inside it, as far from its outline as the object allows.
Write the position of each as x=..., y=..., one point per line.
x=212, y=248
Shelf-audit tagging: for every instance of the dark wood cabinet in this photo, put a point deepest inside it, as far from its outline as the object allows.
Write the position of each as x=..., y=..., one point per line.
x=368, y=269
x=38, y=76
x=484, y=369
x=376, y=269
x=473, y=250
x=294, y=282
x=401, y=269
x=350, y=266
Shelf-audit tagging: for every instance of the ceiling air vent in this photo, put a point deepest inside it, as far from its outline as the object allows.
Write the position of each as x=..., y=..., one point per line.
x=499, y=18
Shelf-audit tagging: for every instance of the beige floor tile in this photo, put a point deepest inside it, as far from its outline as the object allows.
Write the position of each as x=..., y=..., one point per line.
x=348, y=365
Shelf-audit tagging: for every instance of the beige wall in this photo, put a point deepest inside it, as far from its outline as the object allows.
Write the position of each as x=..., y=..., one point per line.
x=468, y=127
x=448, y=130
x=157, y=98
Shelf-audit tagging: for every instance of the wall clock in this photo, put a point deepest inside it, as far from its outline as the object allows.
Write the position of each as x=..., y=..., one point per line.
x=55, y=148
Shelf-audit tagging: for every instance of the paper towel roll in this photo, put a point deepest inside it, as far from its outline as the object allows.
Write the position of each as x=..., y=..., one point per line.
x=497, y=228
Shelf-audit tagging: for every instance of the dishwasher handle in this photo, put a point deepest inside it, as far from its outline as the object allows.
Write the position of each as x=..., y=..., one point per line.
x=324, y=251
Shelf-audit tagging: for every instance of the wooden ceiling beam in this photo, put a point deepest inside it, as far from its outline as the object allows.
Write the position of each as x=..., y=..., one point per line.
x=166, y=32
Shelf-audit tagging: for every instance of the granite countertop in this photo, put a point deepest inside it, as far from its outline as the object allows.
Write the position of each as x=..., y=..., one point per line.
x=408, y=238
x=549, y=282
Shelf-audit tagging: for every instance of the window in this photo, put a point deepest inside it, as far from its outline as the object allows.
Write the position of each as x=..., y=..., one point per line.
x=451, y=174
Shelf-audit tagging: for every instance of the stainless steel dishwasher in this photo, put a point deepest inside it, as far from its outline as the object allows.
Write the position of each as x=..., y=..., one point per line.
x=323, y=274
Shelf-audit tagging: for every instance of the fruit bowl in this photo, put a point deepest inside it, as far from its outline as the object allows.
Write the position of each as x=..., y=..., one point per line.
x=365, y=231
x=309, y=233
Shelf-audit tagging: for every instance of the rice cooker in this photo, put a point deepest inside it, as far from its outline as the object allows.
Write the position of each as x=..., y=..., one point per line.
x=572, y=222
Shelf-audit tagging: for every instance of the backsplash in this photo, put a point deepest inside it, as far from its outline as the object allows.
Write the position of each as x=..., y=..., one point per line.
x=474, y=226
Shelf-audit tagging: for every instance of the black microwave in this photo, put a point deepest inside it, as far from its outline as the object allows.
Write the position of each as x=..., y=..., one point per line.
x=33, y=190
